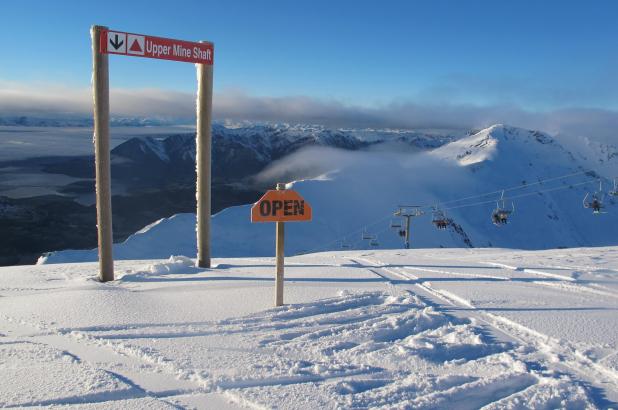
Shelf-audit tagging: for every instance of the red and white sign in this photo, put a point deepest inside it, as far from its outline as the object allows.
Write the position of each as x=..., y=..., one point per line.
x=140, y=45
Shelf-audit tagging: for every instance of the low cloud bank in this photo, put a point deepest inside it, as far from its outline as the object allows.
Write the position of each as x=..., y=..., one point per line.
x=370, y=167
x=16, y=99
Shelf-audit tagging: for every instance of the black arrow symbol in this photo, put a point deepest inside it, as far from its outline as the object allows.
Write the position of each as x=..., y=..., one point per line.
x=115, y=43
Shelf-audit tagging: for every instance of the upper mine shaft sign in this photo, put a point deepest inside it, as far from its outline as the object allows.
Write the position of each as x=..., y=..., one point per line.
x=105, y=42
x=281, y=206
x=141, y=45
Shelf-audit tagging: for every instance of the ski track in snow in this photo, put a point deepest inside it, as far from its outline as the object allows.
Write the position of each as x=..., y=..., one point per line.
x=558, y=353
x=569, y=284
x=403, y=342
x=337, y=334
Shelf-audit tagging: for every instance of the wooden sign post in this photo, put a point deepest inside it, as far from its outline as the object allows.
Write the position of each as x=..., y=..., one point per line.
x=279, y=256
x=100, y=89
x=280, y=206
x=104, y=42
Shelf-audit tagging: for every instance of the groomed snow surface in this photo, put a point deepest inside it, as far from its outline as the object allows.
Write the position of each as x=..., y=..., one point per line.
x=426, y=328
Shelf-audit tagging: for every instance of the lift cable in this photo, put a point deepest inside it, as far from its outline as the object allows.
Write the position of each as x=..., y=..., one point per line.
x=361, y=229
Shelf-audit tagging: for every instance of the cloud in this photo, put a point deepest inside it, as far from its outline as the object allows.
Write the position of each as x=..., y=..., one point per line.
x=19, y=99
x=413, y=115
x=53, y=100
x=350, y=167
x=308, y=162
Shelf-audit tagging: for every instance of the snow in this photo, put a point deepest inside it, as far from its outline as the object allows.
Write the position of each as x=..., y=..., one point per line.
x=422, y=328
x=442, y=326
x=545, y=181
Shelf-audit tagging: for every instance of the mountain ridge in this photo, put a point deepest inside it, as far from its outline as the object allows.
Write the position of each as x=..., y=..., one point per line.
x=544, y=178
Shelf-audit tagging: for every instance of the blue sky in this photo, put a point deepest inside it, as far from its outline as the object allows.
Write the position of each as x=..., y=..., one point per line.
x=527, y=56
x=537, y=54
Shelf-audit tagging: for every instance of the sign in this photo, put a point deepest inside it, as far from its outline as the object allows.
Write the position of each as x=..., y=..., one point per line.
x=281, y=206
x=106, y=41
x=140, y=45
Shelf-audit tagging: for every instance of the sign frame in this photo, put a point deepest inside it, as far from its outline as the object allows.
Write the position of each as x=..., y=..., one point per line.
x=100, y=88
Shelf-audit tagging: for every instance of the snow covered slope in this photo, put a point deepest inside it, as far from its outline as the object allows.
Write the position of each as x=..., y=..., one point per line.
x=548, y=185
x=422, y=329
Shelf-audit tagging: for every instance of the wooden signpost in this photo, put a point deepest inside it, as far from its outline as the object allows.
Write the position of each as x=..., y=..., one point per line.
x=280, y=206
x=104, y=42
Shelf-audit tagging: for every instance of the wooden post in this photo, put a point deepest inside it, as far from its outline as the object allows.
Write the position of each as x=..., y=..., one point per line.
x=280, y=239
x=203, y=159
x=100, y=88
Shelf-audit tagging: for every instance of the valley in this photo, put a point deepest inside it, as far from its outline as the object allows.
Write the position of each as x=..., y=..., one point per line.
x=51, y=196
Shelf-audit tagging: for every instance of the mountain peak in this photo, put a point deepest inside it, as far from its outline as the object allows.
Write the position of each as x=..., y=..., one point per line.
x=499, y=140
x=507, y=132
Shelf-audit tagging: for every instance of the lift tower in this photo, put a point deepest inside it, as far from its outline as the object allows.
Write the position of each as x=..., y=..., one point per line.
x=407, y=212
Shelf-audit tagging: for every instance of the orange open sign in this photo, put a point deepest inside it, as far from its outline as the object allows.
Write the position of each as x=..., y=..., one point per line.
x=281, y=206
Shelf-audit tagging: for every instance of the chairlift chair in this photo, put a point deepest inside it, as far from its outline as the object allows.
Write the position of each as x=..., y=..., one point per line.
x=500, y=215
x=441, y=224
x=595, y=203
x=366, y=235
x=439, y=219
x=374, y=242
x=395, y=224
x=596, y=200
x=614, y=192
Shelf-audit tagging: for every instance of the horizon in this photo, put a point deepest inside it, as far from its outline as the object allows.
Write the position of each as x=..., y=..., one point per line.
x=547, y=66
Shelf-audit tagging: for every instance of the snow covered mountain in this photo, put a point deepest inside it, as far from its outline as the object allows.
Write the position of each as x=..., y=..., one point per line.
x=245, y=150
x=543, y=180
x=263, y=143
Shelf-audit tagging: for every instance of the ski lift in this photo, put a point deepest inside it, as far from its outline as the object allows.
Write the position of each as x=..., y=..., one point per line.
x=395, y=224
x=614, y=192
x=374, y=243
x=439, y=219
x=345, y=245
x=596, y=200
x=366, y=235
x=500, y=215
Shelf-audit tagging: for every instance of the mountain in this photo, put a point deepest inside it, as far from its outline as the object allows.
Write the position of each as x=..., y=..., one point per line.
x=544, y=182
x=599, y=156
x=238, y=152
x=154, y=176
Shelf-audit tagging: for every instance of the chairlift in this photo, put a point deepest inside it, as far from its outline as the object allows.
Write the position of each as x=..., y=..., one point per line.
x=366, y=235
x=500, y=215
x=596, y=200
x=395, y=224
x=374, y=242
x=439, y=219
x=345, y=245
x=614, y=192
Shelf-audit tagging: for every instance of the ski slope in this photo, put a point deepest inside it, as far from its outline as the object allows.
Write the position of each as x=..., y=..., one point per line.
x=545, y=181
x=423, y=328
